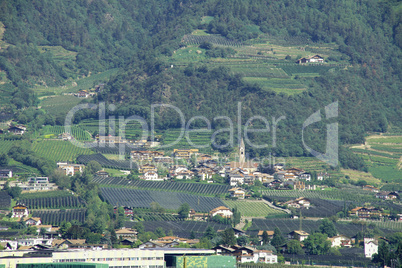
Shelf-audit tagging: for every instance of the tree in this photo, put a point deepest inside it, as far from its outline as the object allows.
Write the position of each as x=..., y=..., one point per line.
x=328, y=227
x=210, y=233
x=42, y=231
x=139, y=227
x=184, y=210
x=265, y=238
x=317, y=244
x=15, y=192
x=228, y=237
x=3, y=159
x=294, y=247
x=242, y=240
x=93, y=167
x=277, y=239
x=383, y=256
x=64, y=226
x=160, y=232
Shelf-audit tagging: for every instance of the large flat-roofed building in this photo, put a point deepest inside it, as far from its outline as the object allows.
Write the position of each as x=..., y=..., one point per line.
x=115, y=258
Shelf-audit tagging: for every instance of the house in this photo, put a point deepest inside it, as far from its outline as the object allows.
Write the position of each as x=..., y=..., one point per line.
x=99, y=87
x=70, y=169
x=238, y=232
x=33, y=221
x=184, y=174
x=305, y=176
x=6, y=173
x=322, y=176
x=300, y=202
x=261, y=232
x=221, y=211
x=197, y=216
x=236, y=179
x=340, y=241
x=127, y=211
x=67, y=243
x=387, y=195
x=371, y=188
x=367, y=212
x=298, y=235
x=370, y=247
x=38, y=184
x=145, y=155
x=82, y=94
x=147, y=168
x=153, y=244
x=17, y=130
x=65, y=136
x=312, y=59
x=247, y=254
x=238, y=193
x=102, y=174
x=126, y=233
x=19, y=211
x=184, y=154
x=151, y=176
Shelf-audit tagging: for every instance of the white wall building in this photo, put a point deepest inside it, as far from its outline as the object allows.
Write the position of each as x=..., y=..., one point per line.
x=370, y=247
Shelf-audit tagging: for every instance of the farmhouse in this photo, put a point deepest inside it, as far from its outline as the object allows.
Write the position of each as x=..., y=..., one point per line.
x=312, y=59
x=33, y=221
x=20, y=211
x=125, y=233
x=298, y=203
x=221, y=211
x=184, y=154
x=17, y=130
x=340, y=241
x=298, y=235
x=151, y=176
x=370, y=247
x=387, y=195
x=6, y=173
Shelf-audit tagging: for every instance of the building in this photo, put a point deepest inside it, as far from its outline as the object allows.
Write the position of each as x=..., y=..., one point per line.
x=19, y=211
x=109, y=139
x=261, y=232
x=145, y=155
x=17, y=130
x=221, y=211
x=147, y=168
x=38, y=184
x=387, y=195
x=371, y=188
x=70, y=169
x=151, y=176
x=298, y=235
x=312, y=59
x=65, y=136
x=247, y=254
x=184, y=154
x=238, y=193
x=6, y=173
x=340, y=241
x=370, y=247
x=33, y=221
x=305, y=176
x=125, y=233
x=300, y=202
x=322, y=176
x=236, y=179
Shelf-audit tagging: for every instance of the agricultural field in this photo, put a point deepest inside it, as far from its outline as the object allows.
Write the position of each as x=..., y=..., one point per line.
x=392, y=225
x=214, y=39
x=346, y=194
x=104, y=162
x=181, y=229
x=191, y=188
x=59, y=104
x=168, y=200
x=253, y=208
x=5, y=145
x=5, y=200
x=383, y=156
x=52, y=132
x=52, y=202
x=46, y=194
x=149, y=216
x=55, y=217
x=310, y=226
x=58, y=150
x=197, y=138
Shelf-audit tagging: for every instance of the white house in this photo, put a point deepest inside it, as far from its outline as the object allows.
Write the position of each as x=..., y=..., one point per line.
x=370, y=247
x=70, y=169
x=6, y=173
x=151, y=176
x=298, y=235
x=236, y=179
x=340, y=241
x=33, y=221
x=20, y=211
x=222, y=211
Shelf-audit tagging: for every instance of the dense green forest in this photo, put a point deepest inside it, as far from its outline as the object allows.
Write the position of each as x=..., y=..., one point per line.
x=140, y=36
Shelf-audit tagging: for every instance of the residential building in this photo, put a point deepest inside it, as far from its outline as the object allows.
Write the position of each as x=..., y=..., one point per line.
x=17, y=130
x=151, y=176
x=19, y=211
x=371, y=188
x=261, y=232
x=34, y=221
x=70, y=169
x=184, y=154
x=247, y=254
x=109, y=139
x=238, y=193
x=222, y=211
x=370, y=247
x=340, y=241
x=145, y=155
x=236, y=179
x=305, y=176
x=147, y=168
x=126, y=233
x=312, y=59
x=298, y=235
x=323, y=176
x=6, y=173
x=38, y=184
x=300, y=202
x=387, y=195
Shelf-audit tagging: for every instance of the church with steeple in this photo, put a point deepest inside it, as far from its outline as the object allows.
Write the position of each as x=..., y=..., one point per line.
x=242, y=163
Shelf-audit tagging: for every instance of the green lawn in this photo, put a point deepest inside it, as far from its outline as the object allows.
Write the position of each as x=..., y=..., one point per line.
x=253, y=209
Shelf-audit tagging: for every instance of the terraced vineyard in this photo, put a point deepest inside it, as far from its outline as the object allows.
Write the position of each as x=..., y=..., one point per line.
x=288, y=225
x=254, y=209
x=213, y=39
x=160, y=217
x=5, y=146
x=58, y=150
x=104, y=162
x=194, y=188
x=181, y=229
x=52, y=217
x=168, y=200
x=52, y=202
x=53, y=132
